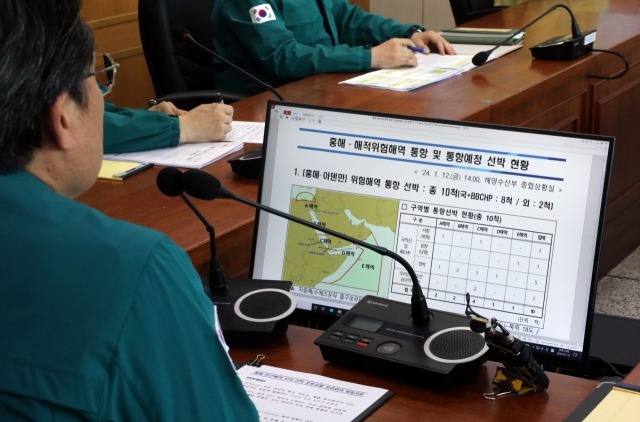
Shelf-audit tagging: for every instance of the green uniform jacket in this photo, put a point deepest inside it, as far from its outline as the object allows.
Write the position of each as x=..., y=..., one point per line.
x=103, y=320
x=303, y=40
x=129, y=130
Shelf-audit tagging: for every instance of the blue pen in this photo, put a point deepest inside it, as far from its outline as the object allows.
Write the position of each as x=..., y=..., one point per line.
x=418, y=49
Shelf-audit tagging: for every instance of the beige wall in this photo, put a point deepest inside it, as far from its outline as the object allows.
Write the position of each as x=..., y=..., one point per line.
x=432, y=14
x=115, y=27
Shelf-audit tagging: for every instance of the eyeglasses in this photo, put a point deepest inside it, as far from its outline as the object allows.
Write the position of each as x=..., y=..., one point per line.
x=106, y=65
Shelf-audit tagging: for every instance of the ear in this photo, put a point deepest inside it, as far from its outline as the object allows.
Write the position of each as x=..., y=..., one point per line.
x=57, y=123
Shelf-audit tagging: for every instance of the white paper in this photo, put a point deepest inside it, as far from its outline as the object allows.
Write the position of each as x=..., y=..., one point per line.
x=185, y=155
x=281, y=395
x=431, y=68
x=247, y=132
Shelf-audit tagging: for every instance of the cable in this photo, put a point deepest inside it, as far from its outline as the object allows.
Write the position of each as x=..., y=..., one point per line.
x=626, y=64
x=609, y=365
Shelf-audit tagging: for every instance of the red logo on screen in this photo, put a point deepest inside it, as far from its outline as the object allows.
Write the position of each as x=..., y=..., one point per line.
x=288, y=112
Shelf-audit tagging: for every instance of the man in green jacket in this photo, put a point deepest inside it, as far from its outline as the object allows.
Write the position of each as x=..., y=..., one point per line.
x=163, y=126
x=280, y=41
x=100, y=319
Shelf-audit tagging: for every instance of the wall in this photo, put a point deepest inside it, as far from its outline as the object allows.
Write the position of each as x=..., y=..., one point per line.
x=115, y=27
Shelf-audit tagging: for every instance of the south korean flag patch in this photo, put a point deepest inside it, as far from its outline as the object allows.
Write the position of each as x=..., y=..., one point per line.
x=262, y=13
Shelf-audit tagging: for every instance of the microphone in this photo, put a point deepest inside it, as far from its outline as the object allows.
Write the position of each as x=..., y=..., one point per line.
x=481, y=58
x=204, y=186
x=183, y=35
x=169, y=183
x=250, y=312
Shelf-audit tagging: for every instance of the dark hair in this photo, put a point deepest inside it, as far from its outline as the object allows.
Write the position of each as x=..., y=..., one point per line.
x=45, y=50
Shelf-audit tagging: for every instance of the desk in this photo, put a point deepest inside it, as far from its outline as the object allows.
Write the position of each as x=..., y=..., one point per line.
x=513, y=90
x=462, y=402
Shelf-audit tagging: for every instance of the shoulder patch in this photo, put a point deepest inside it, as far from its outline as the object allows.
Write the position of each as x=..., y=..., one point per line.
x=262, y=13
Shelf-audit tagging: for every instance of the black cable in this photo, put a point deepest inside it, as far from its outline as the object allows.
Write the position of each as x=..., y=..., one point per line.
x=609, y=365
x=626, y=64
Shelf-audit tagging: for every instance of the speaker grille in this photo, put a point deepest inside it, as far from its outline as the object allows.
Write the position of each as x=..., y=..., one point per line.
x=265, y=305
x=456, y=344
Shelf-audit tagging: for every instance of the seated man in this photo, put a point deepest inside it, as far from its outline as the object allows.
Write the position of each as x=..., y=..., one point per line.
x=286, y=40
x=99, y=319
x=163, y=126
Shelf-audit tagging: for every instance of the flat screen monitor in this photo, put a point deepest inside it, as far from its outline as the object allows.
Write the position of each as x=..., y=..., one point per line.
x=512, y=216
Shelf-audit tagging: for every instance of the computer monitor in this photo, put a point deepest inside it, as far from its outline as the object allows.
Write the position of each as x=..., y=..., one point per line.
x=512, y=216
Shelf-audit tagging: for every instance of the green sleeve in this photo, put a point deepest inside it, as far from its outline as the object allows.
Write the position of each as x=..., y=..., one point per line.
x=282, y=52
x=169, y=363
x=357, y=27
x=129, y=130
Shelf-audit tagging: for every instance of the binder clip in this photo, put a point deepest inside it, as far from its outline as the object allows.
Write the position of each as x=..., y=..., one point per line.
x=521, y=373
x=257, y=362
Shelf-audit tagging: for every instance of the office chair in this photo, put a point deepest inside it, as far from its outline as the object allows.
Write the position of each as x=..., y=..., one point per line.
x=468, y=10
x=181, y=73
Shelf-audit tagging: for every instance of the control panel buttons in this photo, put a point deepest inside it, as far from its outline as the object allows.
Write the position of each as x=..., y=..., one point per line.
x=348, y=340
x=338, y=333
x=366, y=340
x=353, y=336
x=389, y=348
x=361, y=344
x=332, y=337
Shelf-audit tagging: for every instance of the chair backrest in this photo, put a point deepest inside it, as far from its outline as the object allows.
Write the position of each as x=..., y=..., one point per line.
x=175, y=66
x=468, y=10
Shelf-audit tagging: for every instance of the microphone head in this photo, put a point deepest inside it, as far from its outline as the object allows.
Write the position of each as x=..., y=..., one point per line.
x=480, y=58
x=180, y=33
x=169, y=181
x=201, y=185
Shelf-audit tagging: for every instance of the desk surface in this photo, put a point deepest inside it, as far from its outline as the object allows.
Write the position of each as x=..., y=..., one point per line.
x=511, y=90
x=462, y=402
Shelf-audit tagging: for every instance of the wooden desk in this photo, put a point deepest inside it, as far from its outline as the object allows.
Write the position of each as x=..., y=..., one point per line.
x=462, y=402
x=514, y=90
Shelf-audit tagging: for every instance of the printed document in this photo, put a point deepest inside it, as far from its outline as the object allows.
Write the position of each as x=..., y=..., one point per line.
x=281, y=395
x=431, y=68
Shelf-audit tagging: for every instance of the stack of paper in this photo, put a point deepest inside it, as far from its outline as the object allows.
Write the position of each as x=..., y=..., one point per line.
x=431, y=68
x=482, y=36
x=200, y=154
x=185, y=155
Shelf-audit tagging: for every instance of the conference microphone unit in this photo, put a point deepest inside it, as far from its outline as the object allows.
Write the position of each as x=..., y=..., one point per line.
x=202, y=185
x=182, y=35
x=250, y=312
x=566, y=47
x=438, y=347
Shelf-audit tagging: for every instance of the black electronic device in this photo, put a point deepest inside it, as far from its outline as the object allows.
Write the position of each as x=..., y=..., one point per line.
x=248, y=164
x=202, y=185
x=250, y=312
x=377, y=335
x=566, y=47
x=512, y=216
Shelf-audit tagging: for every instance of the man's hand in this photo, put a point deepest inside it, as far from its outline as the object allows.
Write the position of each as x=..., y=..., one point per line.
x=393, y=53
x=433, y=42
x=168, y=108
x=207, y=122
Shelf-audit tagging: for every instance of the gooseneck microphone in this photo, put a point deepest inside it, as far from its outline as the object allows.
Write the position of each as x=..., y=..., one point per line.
x=183, y=35
x=204, y=186
x=169, y=181
x=250, y=312
x=481, y=58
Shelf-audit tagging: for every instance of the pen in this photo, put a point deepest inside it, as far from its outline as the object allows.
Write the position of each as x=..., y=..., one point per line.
x=126, y=174
x=418, y=49
x=219, y=99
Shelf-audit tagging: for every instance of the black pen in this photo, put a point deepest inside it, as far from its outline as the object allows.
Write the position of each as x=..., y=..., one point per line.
x=219, y=100
x=135, y=170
